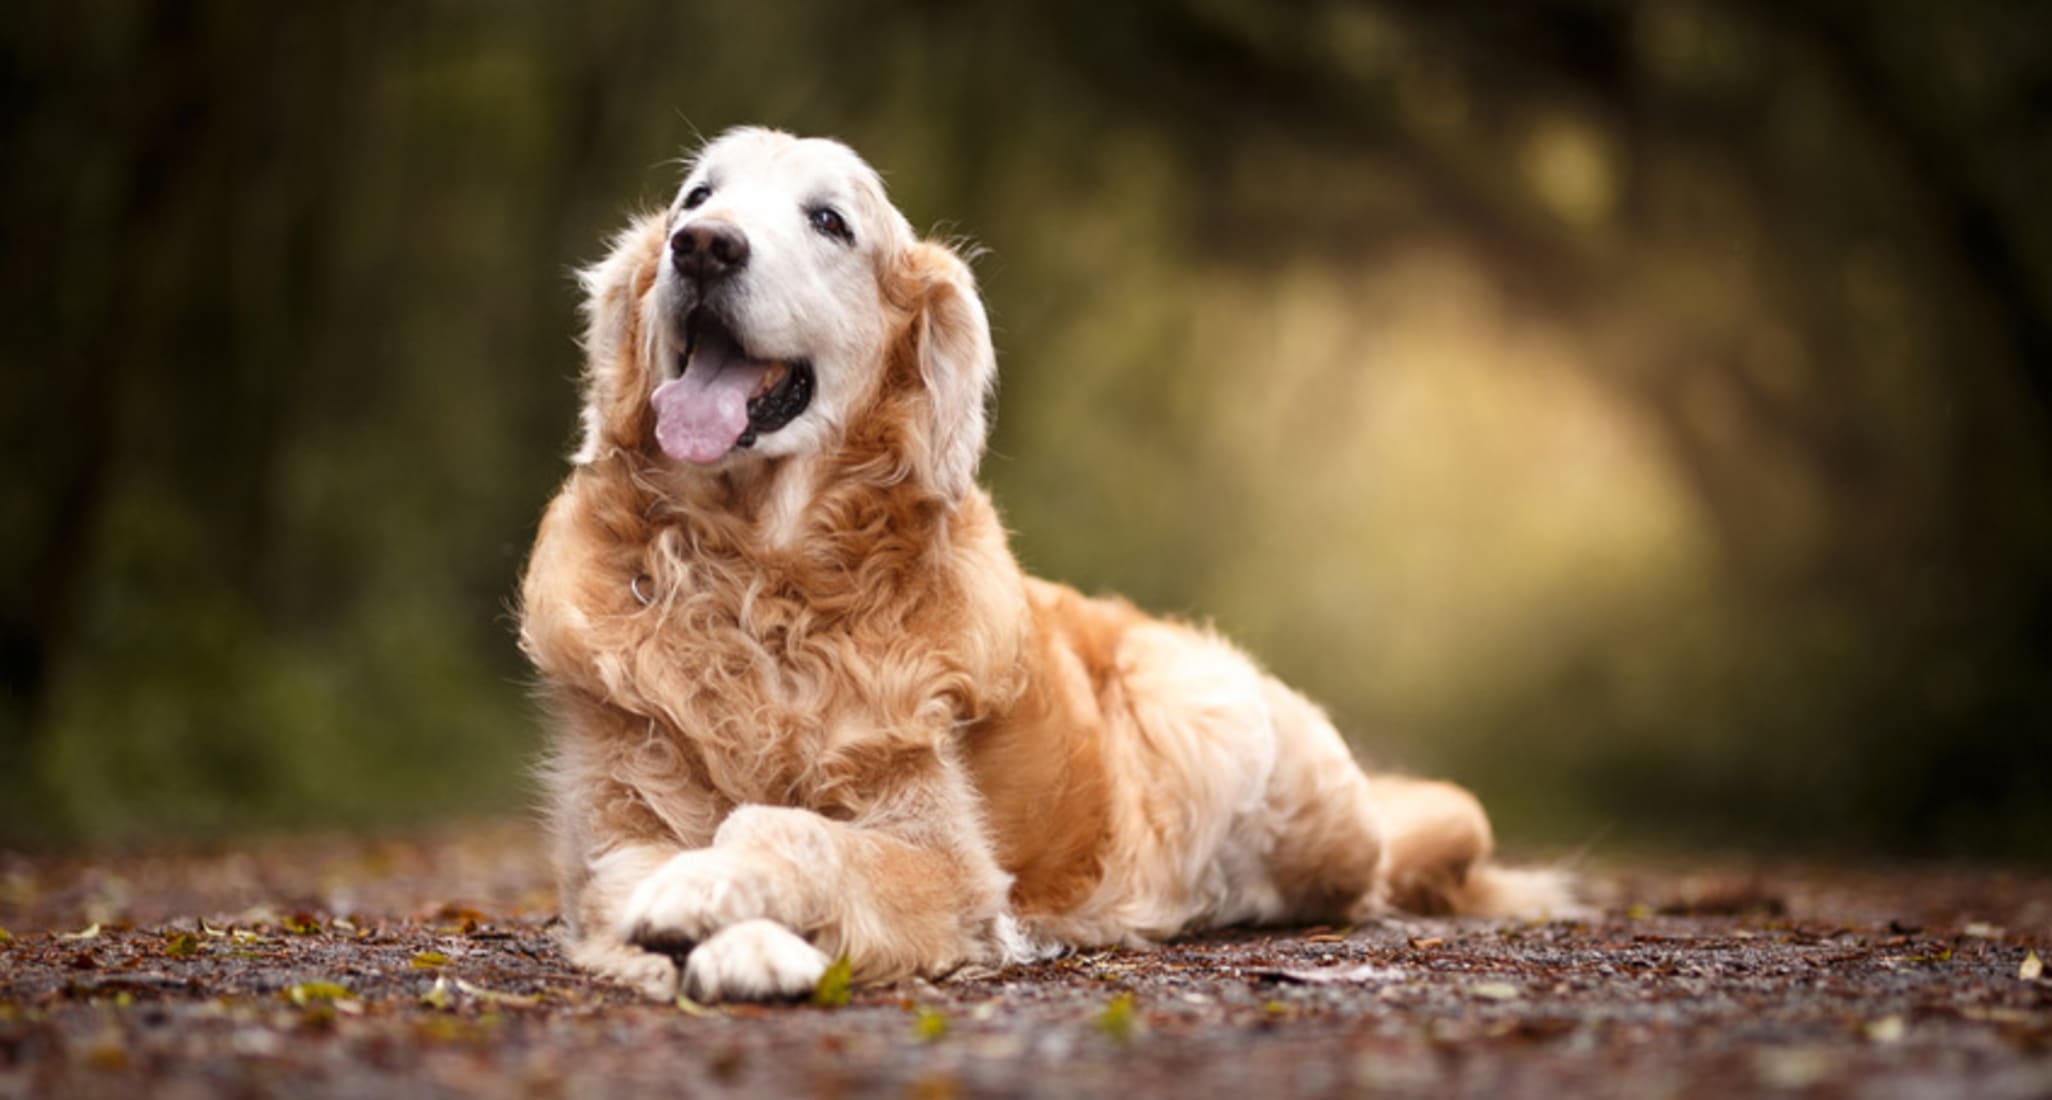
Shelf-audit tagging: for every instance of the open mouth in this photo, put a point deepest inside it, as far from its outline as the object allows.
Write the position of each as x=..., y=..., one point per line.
x=724, y=399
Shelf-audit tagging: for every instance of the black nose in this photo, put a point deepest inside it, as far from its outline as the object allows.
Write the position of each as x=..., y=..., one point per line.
x=709, y=250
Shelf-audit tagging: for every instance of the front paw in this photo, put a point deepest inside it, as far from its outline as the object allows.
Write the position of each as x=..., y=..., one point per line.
x=691, y=897
x=653, y=976
x=755, y=960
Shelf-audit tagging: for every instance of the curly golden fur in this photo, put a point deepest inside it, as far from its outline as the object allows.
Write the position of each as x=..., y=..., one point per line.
x=806, y=704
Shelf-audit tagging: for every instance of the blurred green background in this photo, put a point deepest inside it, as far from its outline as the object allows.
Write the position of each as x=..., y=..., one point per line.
x=1640, y=412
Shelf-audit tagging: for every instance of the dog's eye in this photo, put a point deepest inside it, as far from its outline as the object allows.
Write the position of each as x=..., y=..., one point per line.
x=829, y=221
x=696, y=197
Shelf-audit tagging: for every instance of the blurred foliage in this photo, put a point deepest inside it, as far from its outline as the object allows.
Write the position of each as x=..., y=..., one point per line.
x=1639, y=412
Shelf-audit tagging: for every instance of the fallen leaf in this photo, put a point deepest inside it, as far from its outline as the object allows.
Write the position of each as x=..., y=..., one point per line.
x=302, y=924
x=1982, y=930
x=2032, y=969
x=461, y=918
x=444, y=1029
x=1887, y=1029
x=1795, y=1068
x=6, y=937
x=1537, y=1030
x=91, y=933
x=1639, y=911
x=727, y=1064
x=130, y=984
x=929, y=1025
x=108, y=1054
x=1495, y=991
x=181, y=945
x=306, y=993
x=834, y=985
x=437, y=997
x=690, y=1007
x=1116, y=1021
x=429, y=960
x=494, y=997
x=1331, y=975
x=1427, y=943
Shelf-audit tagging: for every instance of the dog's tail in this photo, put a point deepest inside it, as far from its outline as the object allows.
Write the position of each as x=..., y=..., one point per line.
x=1523, y=893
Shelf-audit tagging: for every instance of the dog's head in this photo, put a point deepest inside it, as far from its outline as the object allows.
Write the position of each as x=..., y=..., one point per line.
x=779, y=308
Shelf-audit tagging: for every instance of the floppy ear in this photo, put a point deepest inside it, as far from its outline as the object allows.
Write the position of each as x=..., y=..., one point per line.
x=950, y=335
x=618, y=338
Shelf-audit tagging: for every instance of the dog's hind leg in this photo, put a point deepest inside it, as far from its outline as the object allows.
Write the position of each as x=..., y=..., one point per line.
x=1350, y=846
x=1436, y=833
x=1437, y=857
x=1327, y=838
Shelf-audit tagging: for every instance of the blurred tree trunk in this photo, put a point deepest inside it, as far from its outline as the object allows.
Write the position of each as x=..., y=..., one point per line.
x=70, y=415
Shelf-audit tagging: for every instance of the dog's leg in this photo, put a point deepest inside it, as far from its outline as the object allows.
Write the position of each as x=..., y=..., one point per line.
x=755, y=960
x=592, y=903
x=1328, y=836
x=1437, y=835
x=609, y=838
x=1439, y=857
x=910, y=890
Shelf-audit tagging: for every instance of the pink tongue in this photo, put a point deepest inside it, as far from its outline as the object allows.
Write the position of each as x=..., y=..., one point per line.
x=701, y=415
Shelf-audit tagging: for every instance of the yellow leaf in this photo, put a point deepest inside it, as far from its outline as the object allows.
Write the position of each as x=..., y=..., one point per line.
x=834, y=985
x=306, y=993
x=2032, y=969
x=690, y=1007
x=1887, y=1029
x=1495, y=991
x=437, y=997
x=181, y=945
x=430, y=960
x=929, y=1025
x=1116, y=1021
x=91, y=933
x=6, y=937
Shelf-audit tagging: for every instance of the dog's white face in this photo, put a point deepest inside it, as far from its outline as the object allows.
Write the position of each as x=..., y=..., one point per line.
x=782, y=307
x=770, y=305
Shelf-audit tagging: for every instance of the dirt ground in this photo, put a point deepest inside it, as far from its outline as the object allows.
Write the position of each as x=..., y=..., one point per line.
x=426, y=967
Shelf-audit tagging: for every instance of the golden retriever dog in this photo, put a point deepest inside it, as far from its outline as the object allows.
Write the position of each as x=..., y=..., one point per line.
x=807, y=705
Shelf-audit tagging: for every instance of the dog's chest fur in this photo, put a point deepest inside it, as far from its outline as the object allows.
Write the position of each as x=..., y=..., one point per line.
x=771, y=676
